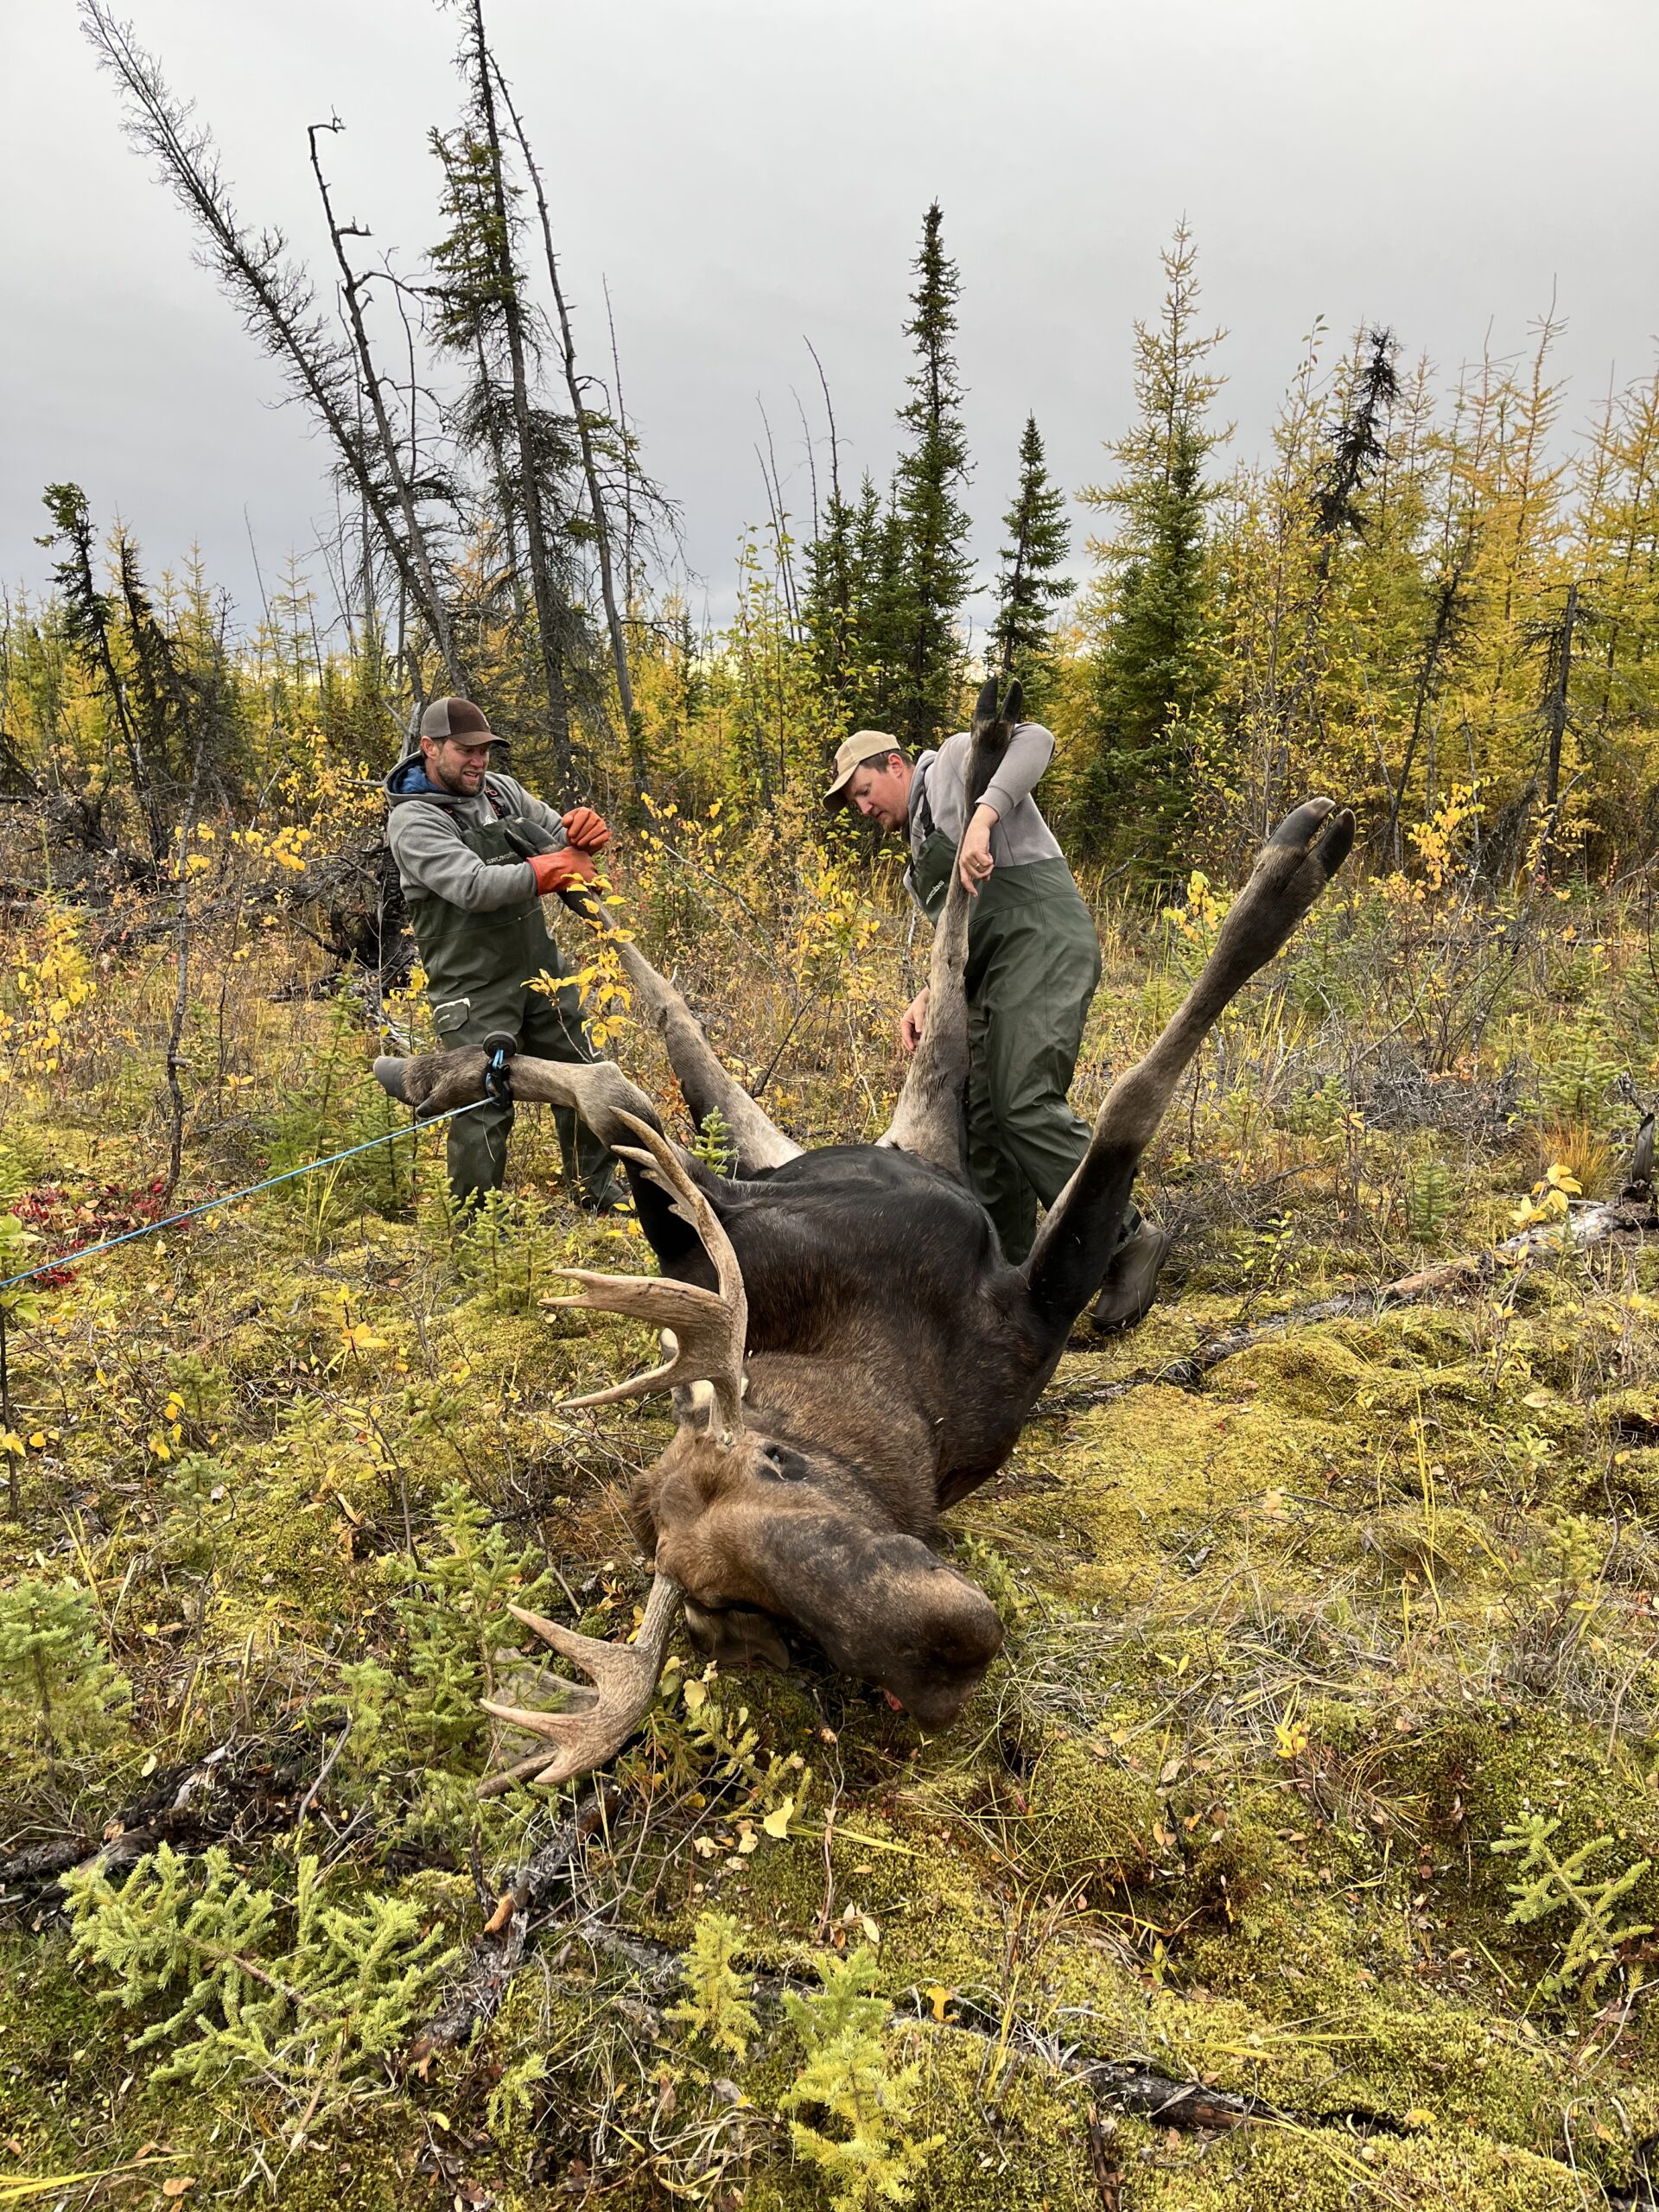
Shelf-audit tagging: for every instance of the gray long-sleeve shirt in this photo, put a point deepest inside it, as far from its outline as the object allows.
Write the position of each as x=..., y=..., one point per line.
x=940, y=789
x=423, y=828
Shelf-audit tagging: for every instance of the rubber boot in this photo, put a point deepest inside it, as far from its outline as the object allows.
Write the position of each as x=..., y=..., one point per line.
x=1131, y=1281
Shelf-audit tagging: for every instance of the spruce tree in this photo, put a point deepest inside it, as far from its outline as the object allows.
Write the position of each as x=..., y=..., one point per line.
x=857, y=608
x=831, y=610
x=528, y=450
x=1028, y=587
x=926, y=670
x=1156, y=668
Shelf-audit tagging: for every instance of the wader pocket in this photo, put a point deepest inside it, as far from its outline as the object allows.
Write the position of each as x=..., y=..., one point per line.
x=452, y=1016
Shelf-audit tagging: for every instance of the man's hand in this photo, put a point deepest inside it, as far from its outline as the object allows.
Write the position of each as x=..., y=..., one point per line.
x=913, y=1021
x=558, y=871
x=974, y=855
x=588, y=832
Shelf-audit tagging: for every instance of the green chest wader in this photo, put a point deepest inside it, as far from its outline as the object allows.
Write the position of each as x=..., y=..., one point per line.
x=477, y=968
x=1034, y=963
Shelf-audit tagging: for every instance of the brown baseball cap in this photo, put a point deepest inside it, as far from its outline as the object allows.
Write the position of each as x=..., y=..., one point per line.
x=459, y=718
x=852, y=754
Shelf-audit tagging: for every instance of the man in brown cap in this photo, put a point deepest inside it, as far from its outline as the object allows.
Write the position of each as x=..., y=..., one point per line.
x=476, y=855
x=1033, y=963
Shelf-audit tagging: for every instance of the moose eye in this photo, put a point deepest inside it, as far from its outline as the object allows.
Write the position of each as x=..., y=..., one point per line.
x=778, y=1462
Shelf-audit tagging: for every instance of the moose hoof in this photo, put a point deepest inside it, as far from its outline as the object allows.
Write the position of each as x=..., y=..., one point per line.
x=389, y=1074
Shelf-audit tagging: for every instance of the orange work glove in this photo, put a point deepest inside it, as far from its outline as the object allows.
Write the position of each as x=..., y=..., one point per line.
x=588, y=831
x=558, y=871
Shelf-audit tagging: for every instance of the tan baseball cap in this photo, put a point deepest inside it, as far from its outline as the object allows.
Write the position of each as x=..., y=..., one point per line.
x=460, y=719
x=852, y=754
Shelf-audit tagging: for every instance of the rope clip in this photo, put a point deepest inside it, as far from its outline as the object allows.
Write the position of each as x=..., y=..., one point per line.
x=499, y=1045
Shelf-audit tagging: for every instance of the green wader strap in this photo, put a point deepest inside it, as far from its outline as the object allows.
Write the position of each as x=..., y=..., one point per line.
x=929, y=875
x=1034, y=880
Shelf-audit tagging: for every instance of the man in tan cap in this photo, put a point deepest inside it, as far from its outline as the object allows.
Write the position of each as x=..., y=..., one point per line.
x=1034, y=963
x=476, y=854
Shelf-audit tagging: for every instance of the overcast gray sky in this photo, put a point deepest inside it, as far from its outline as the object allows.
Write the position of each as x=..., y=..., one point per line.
x=746, y=172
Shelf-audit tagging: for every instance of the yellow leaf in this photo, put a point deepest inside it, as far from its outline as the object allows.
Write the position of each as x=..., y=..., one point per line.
x=776, y=1823
x=10, y=1441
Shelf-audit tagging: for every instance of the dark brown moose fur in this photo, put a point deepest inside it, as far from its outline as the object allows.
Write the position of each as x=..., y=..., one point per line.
x=892, y=1354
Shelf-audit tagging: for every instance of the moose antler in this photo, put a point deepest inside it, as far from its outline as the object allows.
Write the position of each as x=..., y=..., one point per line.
x=601, y=1720
x=704, y=1331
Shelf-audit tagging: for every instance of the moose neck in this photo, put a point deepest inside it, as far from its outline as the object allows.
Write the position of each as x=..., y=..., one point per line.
x=860, y=1429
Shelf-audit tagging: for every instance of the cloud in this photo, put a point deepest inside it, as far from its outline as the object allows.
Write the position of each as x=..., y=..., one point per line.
x=746, y=173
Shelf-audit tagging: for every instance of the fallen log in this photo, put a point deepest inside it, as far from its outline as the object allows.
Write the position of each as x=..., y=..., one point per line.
x=499, y=1951
x=234, y=1792
x=1126, y=2085
x=1632, y=1214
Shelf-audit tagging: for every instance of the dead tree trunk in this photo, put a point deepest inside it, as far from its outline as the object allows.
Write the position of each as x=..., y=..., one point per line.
x=275, y=294
x=350, y=286
x=613, y=621
x=1560, y=656
x=551, y=615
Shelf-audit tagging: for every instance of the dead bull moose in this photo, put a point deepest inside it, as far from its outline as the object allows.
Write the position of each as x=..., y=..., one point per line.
x=849, y=1351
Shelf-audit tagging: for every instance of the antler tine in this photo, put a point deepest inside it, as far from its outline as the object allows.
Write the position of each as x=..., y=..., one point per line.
x=705, y=1332
x=626, y=1676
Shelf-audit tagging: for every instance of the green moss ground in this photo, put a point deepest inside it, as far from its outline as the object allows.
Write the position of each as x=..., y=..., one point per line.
x=1287, y=1655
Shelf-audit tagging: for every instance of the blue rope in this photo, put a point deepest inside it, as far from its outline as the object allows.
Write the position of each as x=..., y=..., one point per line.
x=232, y=1197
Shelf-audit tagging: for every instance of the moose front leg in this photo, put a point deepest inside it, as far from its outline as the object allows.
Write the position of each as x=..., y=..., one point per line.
x=708, y=1087
x=1075, y=1241
x=436, y=1083
x=930, y=1117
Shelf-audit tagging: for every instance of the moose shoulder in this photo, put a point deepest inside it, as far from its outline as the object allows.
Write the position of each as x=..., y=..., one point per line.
x=848, y=1349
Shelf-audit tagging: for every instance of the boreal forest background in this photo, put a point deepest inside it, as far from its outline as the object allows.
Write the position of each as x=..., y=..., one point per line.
x=1435, y=595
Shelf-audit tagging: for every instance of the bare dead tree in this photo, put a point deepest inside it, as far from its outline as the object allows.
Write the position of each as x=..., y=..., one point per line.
x=1556, y=638
x=351, y=292
x=550, y=617
x=829, y=414
x=583, y=418
x=275, y=297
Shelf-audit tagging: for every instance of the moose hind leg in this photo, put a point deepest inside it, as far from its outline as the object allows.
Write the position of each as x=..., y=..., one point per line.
x=1075, y=1241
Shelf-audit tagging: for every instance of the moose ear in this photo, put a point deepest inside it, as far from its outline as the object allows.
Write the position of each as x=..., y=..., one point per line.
x=881, y=1603
x=1013, y=705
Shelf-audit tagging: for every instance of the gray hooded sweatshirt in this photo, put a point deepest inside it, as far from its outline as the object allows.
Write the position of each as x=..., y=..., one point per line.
x=939, y=797
x=423, y=827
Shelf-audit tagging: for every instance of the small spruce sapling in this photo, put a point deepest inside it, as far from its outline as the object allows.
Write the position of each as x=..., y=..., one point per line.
x=455, y=1619
x=714, y=1144
x=848, y=2075
x=56, y=1681
x=717, y=2006
x=1551, y=1884
x=511, y=2103
x=294, y=1991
